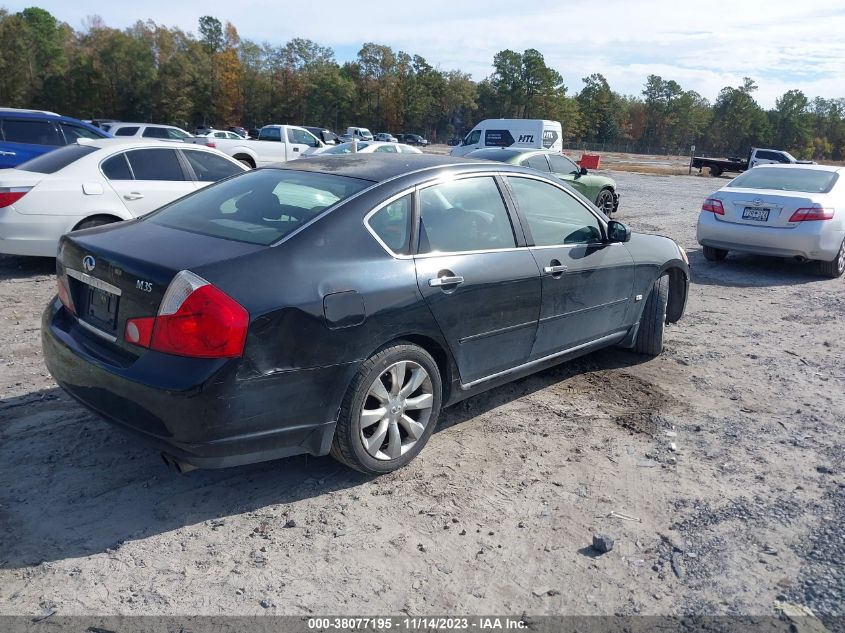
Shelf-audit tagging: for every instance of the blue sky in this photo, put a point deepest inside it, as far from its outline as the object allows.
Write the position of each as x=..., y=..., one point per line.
x=782, y=44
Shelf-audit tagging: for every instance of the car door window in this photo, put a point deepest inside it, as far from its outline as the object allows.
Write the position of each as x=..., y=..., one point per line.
x=117, y=168
x=554, y=217
x=126, y=131
x=155, y=132
x=301, y=136
x=155, y=164
x=390, y=149
x=562, y=165
x=392, y=224
x=464, y=215
x=31, y=131
x=537, y=162
x=75, y=132
x=176, y=135
x=209, y=167
x=472, y=139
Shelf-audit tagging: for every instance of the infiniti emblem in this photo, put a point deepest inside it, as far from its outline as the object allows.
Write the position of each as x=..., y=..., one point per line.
x=758, y=202
x=88, y=263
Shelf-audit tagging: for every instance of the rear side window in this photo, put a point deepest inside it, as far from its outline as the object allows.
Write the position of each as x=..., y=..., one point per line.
x=270, y=134
x=209, y=167
x=155, y=164
x=126, y=131
x=31, y=131
x=787, y=179
x=464, y=215
x=259, y=207
x=117, y=168
x=75, y=132
x=51, y=162
x=392, y=224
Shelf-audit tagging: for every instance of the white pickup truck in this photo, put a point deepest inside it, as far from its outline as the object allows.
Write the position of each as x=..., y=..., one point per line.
x=275, y=144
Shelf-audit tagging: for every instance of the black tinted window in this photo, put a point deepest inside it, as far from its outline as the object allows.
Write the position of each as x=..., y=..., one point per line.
x=259, y=207
x=464, y=215
x=536, y=162
x=155, y=164
x=392, y=224
x=126, y=131
x=51, y=162
x=31, y=131
x=76, y=132
x=209, y=167
x=155, y=132
x=116, y=168
x=270, y=134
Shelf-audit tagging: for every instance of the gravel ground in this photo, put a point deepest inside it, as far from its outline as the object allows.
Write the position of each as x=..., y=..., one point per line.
x=498, y=513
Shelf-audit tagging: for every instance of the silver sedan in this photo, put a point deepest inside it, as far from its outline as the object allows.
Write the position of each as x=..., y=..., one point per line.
x=779, y=210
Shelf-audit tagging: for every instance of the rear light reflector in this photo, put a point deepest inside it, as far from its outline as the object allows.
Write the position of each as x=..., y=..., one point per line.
x=811, y=213
x=63, y=291
x=713, y=205
x=195, y=319
x=10, y=195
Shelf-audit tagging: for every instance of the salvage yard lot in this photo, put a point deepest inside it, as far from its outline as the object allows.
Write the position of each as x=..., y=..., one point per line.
x=497, y=513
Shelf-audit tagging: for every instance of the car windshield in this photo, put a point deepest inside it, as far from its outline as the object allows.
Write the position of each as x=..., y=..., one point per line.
x=259, y=207
x=786, y=179
x=51, y=162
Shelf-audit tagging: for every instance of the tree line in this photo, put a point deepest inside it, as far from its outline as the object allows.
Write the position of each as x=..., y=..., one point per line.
x=150, y=72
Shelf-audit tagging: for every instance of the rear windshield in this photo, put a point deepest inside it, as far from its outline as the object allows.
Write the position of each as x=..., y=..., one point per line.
x=51, y=162
x=259, y=207
x=789, y=179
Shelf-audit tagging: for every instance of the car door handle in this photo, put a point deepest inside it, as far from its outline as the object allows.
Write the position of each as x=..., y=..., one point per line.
x=296, y=149
x=436, y=282
x=555, y=270
x=133, y=195
x=4, y=153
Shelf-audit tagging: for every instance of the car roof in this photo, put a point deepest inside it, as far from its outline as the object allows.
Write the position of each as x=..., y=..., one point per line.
x=374, y=167
x=44, y=114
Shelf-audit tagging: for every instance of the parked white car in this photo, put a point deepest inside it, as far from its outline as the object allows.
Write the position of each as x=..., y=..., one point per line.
x=275, y=144
x=369, y=148
x=780, y=210
x=224, y=134
x=94, y=182
x=146, y=130
x=387, y=137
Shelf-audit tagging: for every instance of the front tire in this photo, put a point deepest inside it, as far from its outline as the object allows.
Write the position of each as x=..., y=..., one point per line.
x=714, y=254
x=835, y=267
x=653, y=319
x=390, y=410
x=604, y=201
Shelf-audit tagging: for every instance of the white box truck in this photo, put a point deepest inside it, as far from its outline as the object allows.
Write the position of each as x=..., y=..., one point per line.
x=527, y=133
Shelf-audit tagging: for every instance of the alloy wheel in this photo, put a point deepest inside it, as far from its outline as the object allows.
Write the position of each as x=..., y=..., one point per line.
x=396, y=410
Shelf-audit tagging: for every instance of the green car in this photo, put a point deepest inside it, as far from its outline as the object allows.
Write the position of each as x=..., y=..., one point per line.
x=600, y=189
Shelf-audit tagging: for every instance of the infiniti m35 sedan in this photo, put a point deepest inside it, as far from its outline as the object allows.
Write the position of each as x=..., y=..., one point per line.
x=336, y=305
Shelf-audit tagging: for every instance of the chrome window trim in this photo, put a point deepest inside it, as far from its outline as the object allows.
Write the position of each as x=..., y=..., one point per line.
x=378, y=208
x=93, y=281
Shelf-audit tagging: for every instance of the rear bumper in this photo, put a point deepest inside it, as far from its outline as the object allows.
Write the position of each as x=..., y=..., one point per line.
x=198, y=411
x=31, y=234
x=811, y=240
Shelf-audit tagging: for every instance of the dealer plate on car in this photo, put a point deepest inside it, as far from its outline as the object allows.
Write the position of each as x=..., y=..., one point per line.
x=756, y=214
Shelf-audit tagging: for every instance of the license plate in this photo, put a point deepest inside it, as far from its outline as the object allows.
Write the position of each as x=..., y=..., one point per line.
x=101, y=308
x=753, y=213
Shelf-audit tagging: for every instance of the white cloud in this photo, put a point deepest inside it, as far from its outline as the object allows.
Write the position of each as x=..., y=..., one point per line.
x=782, y=44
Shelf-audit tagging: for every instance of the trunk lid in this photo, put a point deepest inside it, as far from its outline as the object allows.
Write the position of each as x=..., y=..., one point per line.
x=769, y=209
x=120, y=272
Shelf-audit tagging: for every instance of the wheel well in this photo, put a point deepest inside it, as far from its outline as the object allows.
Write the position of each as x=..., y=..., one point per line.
x=100, y=216
x=246, y=158
x=438, y=353
x=675, y=307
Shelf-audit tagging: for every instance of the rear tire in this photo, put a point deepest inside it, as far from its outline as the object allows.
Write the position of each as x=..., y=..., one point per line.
x=90, y=223
x=835, y=267
x=714, y=254
x=390, y=410
x=715, y=171
x=653, y=319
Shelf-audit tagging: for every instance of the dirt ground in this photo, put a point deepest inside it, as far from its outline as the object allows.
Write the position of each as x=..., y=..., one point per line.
x=716, y=467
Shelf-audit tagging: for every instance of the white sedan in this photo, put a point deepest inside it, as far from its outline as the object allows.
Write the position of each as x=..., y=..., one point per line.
x=780, y=210
x=94, y=182
x=368, y=147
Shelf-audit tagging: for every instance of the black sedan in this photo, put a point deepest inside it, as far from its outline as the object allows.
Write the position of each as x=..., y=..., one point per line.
x=337, y=304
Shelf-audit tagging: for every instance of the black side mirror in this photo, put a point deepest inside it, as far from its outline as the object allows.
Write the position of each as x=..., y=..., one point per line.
x=583, y=171
x=618, y=232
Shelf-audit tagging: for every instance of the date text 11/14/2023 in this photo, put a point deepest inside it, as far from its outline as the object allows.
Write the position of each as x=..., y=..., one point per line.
x=405, y=623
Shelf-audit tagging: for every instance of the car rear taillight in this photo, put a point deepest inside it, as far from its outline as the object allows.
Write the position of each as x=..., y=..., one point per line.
x=195, y=319
x=10, y=195
x=713, y=205
x=211, y=144
x=811, y=213
x=63, y=291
